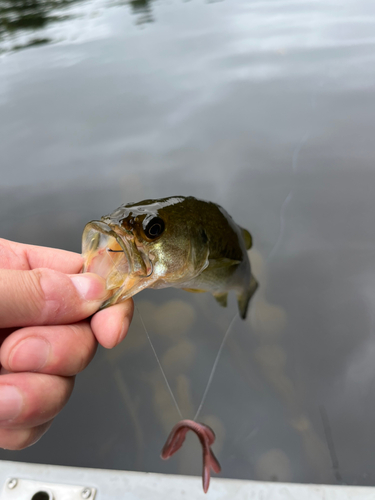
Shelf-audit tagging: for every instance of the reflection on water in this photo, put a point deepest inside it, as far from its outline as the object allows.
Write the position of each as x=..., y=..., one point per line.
x=267, y=108
x=27, y=18
x=142, y=9
x=23, y=23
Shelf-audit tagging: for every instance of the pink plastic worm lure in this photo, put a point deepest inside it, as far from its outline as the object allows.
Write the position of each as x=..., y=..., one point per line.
x=206, y=437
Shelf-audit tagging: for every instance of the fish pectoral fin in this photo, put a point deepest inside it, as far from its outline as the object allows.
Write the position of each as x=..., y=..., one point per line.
x=194, y=290
x=222, y=298
x=220, y=263
x=244, y=297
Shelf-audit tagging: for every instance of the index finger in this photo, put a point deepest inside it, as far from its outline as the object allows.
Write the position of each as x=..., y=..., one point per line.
x=24, y=257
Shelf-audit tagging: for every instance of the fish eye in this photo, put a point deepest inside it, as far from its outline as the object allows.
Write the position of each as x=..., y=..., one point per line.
x=154, y=228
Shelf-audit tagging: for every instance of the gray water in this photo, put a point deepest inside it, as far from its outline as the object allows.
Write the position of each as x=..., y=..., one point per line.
x=265, y=107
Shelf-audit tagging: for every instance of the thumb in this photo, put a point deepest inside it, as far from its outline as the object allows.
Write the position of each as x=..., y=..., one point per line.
x=47, y=297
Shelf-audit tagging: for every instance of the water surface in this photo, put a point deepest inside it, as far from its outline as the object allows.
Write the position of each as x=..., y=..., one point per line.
x=265, y=107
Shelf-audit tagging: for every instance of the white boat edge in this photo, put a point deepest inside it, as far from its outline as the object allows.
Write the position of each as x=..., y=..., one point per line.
x=129, y=485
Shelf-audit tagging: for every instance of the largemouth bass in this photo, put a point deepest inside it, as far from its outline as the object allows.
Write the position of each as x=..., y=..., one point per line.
x=178, y=241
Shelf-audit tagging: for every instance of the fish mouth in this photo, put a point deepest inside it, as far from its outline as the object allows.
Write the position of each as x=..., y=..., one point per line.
x=112, y=253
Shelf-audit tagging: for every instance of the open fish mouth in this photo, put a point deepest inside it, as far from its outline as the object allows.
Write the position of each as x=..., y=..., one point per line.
x=114, y=256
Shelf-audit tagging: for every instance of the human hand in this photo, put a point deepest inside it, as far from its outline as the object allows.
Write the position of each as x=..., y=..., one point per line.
x=46, y=337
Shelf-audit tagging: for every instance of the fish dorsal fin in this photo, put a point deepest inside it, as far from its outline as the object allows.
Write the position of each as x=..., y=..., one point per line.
x=222, y=298
x=247, y=238
x=222, y=262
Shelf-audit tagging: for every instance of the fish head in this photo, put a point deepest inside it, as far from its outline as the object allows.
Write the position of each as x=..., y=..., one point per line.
x=147, y=244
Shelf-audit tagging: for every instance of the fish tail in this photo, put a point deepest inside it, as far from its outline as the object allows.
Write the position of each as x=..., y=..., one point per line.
x=244, y=297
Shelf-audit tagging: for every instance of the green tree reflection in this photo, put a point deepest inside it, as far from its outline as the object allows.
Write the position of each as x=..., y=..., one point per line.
x=142, y=8
x=28, y=17
x=23, y=22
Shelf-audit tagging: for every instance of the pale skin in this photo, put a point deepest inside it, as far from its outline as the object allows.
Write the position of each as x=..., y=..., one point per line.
x=49, y=331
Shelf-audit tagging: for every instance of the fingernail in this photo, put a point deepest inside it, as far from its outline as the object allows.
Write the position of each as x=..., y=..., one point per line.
x=11, y=402
x=29, y=355
x=89, y=286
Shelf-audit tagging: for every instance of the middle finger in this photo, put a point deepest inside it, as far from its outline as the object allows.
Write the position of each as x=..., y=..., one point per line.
x=57, y=350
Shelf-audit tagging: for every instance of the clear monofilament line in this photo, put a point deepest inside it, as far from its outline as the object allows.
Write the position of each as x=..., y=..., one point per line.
x=214, y=367
x=161, y=368
x=211, y=374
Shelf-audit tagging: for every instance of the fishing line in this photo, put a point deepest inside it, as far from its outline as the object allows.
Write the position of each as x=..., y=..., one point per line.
x=214, y=366
x=161, y=368
x=295, y=157
x=212, y=370
x=109, y=252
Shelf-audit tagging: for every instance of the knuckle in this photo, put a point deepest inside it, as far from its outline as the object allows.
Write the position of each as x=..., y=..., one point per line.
x=7, y=255
x=32, y=283
x=44, y=286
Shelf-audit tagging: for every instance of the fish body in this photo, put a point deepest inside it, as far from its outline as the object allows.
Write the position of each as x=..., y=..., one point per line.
x=178, y=241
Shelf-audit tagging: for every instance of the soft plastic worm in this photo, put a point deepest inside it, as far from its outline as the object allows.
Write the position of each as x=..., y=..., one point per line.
x=206, y=437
